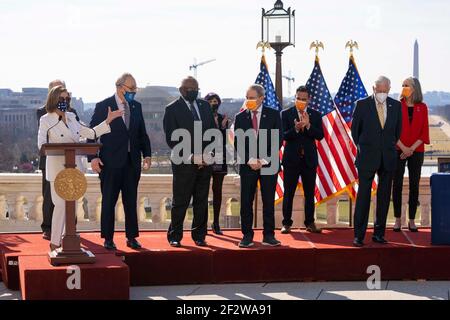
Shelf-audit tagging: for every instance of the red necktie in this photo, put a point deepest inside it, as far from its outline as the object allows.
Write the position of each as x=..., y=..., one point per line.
x=255, y=121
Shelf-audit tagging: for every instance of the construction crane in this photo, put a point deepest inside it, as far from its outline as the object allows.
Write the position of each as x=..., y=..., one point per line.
x=290, y=80
x=196, y=65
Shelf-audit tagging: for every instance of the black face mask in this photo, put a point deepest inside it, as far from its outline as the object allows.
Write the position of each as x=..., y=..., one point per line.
x=215, y=108
x=191, y=95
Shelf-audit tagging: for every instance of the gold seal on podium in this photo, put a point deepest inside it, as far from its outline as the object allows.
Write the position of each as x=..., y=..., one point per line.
x=70, y=184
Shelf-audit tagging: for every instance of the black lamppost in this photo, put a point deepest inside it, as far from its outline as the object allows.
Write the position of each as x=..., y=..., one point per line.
x=278, y=29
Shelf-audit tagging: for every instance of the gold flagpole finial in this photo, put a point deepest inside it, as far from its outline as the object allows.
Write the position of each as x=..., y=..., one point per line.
x=352, y=44
x=263, y=45
x=317, y=45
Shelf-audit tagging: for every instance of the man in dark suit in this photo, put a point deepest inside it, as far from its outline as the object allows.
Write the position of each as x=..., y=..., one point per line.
x=120, y=158
x=302, y=126
x=47, y=204
x=255, y=154
x=191, y=174
x=376, y=129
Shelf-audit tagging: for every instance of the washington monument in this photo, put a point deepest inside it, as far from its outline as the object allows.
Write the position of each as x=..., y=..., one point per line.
x=416, y=60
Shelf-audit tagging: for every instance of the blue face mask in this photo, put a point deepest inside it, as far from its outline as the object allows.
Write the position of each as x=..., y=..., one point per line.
x=129, y=96
x=62, y=106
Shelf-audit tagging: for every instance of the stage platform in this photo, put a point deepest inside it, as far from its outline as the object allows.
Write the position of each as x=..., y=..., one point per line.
x=302, y=257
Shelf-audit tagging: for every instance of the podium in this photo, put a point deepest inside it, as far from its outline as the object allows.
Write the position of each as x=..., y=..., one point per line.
x=440, y=202
x=74, y=187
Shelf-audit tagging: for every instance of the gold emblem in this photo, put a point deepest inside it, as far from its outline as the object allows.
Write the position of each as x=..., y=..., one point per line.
x=70, y=184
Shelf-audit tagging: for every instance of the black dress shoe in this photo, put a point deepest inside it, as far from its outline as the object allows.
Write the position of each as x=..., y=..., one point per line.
x=46, y=235
x=175, y=244
x=412, y=229
x=110, y=245
x=379, y=239
x=200, y=243
x=358, y=243
x=246, y=243
x=271, y=242
x=397, y=229
x=133, y=244
x=216, y=229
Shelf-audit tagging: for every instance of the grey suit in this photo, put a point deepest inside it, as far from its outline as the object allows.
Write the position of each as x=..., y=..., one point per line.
x=376, y=155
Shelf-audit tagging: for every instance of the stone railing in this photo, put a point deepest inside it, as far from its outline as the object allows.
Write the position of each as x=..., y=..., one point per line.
x=21, y=204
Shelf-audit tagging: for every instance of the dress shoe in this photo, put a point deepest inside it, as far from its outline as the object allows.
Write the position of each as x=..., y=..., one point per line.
x=358, y=243
x=246, y=243
x=133, y=244
x=175, y=244
x=412, y=228
x=397, y=225
x=378, y=239
x=201, y=243
x=216, y=229
x=110, y=245
x=272, y=242
x=286, y=230
x=313, y=228
x=46, y=235
x=53, y=247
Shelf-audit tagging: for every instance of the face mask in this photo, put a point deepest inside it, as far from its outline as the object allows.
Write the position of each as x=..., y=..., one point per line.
x=62, y=106
x=251, y=105
x=129, y=96
x=215, y=108
x=381, y=97
x=406, y=92
x=300, y=105
x=191, y=95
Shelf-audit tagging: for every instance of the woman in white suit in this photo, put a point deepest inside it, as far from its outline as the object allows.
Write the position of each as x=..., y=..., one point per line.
x=61, y=126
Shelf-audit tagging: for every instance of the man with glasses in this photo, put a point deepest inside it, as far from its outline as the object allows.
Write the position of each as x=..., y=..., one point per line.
x=191, y=177
x=119, y=160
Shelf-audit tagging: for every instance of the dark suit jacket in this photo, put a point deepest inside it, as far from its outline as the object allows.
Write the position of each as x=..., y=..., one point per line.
x=39, y=113
x=178, y=116
x=306, y=140
x=374, y=143
x=114, y=152
x=270, y=120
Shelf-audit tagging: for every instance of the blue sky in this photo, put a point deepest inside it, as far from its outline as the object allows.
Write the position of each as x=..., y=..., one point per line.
x=90, y=43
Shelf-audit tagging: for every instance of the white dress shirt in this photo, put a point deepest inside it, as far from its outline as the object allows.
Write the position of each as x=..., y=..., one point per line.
x=195, y=106
x=120, y=105
x=384, y=107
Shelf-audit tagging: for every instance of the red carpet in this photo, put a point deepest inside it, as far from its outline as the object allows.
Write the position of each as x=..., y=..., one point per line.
x=302, y=257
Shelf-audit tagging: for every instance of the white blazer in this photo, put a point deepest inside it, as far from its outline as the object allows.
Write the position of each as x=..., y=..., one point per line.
x=59, y=132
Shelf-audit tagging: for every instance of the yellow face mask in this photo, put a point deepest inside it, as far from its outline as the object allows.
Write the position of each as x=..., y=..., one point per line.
x=300, y=105
x=406, y=92
x=251, y=105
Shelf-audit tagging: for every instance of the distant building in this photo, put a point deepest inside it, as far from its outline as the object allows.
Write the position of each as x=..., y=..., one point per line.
x=18, y=109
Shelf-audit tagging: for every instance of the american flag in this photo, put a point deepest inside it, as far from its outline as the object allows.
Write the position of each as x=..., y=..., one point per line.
x=336, y=169
x=351, y=90
x=271, y=101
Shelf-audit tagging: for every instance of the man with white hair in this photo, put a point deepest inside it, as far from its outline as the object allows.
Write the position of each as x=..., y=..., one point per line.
x=124, y=152
x=376, y=129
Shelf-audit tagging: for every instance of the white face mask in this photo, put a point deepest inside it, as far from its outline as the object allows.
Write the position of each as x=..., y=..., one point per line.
x=381, y=97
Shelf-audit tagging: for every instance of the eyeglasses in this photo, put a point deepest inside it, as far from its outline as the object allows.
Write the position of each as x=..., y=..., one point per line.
x=131, y=89
x=62, y=99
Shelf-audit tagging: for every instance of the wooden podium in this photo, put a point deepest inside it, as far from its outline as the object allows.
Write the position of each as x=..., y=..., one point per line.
x=70, y=251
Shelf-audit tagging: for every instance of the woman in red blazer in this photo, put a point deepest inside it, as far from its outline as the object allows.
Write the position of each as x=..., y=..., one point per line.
x=411, y=147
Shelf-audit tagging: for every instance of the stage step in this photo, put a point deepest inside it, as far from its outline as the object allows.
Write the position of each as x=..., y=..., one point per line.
x=107, y=279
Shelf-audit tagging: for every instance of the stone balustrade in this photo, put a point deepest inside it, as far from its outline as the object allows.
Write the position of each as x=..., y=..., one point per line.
x=21, y=204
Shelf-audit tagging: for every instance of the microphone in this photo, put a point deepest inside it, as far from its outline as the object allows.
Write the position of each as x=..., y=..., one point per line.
x=59, y=120
x=81, y=123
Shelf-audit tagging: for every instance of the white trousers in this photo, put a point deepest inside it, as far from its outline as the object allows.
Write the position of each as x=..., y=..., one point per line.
x=59, y=217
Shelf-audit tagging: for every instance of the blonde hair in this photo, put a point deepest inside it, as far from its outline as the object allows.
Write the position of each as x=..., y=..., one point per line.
x=53, y=98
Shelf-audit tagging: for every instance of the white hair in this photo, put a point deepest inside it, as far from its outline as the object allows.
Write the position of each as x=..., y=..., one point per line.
x=383, y=80
x=123, y=78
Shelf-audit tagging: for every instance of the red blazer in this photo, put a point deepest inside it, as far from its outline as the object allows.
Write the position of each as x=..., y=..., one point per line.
x=416, y=130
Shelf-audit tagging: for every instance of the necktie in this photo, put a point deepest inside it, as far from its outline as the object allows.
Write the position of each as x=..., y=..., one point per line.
x=194, y=112
x=255, y=121
x=126, y=109
x=380, y=111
